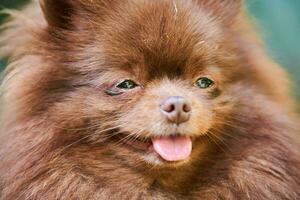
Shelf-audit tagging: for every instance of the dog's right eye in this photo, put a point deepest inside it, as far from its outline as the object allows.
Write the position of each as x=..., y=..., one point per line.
x=122, y=87
x=127, y=85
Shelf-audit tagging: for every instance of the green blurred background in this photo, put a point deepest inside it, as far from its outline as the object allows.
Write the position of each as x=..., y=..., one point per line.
x=278, y=22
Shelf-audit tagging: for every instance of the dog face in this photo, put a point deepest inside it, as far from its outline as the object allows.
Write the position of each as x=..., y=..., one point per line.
x=141, y=81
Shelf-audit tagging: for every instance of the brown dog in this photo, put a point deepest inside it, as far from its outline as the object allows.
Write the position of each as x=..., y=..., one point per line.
x=143, y=99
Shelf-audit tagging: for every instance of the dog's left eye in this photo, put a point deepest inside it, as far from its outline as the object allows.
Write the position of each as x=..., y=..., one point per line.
x=204, y=83
x=127, y=85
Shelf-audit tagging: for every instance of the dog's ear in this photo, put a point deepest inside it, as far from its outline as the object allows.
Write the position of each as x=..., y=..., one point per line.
x=224, y=10
x=58, y=13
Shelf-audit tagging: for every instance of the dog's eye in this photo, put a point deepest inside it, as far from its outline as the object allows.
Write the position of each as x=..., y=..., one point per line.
x=127, y=85
x=204, y=83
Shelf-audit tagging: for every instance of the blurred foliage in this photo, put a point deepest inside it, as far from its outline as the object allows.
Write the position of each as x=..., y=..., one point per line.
x=8, y=4
x=279, y=24
x=12, y=3
x=277, y=20
x=2, y=64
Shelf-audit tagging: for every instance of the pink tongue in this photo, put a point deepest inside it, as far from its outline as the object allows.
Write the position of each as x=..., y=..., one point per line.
x=173, y=148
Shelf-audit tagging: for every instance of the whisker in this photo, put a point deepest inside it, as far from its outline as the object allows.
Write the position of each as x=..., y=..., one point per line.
x=221, y=140
x=211, y=136
x=130, y=137
x=125, y=139
x=90, y=127
x=85, y=137
x=224, y=132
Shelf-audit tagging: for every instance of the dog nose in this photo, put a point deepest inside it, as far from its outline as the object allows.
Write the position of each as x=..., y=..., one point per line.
x=177, y=109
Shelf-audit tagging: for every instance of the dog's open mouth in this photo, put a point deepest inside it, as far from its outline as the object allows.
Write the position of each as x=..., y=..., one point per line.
x=169, y=148
x=173, y=148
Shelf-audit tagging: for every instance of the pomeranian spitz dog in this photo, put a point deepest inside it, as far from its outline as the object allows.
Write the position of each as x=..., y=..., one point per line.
x=143, y=99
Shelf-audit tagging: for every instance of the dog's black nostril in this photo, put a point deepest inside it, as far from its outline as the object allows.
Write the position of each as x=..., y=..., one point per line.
x=187, y=108
x=177, y=109
x=168, y=107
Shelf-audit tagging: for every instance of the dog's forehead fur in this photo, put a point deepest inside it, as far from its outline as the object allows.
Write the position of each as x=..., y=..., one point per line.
x=169, y=37
x=166, y=36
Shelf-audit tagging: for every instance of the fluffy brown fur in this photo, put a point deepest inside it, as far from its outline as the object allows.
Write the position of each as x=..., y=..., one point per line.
x=65, y=136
